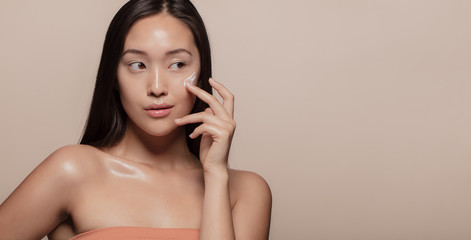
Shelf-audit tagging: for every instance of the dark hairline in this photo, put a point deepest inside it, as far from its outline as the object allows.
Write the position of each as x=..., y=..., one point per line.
x=171, y=52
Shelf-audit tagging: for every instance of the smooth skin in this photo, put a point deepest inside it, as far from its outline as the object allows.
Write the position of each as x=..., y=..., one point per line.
x=149, y=178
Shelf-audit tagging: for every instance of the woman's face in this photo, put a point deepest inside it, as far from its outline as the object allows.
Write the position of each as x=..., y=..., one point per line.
x=159, y=55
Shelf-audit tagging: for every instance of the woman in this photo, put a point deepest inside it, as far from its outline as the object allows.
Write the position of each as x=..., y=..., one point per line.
x=152, y=162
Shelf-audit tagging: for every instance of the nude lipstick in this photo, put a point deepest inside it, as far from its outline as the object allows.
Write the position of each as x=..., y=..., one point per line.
x=158, y=110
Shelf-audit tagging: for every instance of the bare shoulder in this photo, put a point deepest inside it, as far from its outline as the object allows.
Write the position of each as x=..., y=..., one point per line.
x=252, y=202
x=74, y=161
x=246, y=184
x=43, y=199
x=62, y=171
x=64, y=168
x=73, y=152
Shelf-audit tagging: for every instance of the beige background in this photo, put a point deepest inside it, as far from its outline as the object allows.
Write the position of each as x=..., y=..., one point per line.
x=356, y=112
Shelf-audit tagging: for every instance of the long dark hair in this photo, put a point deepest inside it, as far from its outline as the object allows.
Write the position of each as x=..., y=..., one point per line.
x=106, y=122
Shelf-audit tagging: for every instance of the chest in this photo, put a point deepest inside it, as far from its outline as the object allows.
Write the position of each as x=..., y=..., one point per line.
x=159, y=202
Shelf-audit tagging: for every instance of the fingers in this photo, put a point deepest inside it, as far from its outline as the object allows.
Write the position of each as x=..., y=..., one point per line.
x=212, y=125
x=206, y=116
x=217, y=120
x=227, y=96
x=226, y=108
x=213, y=103
x=208, y=110
x=218, y=134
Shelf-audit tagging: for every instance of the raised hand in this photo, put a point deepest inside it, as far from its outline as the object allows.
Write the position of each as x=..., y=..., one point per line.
x=217, y=126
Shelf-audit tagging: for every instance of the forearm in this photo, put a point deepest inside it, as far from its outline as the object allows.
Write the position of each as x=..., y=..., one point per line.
x=216, y=222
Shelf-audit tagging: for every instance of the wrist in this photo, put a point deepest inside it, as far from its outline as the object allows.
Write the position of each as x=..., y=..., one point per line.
x=217, y=172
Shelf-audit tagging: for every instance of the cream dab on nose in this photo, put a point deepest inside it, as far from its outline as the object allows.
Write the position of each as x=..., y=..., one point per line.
x=190, y=79
x=156, y=78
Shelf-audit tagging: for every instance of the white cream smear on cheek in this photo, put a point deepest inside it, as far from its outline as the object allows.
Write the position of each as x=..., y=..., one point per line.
x=191, y=79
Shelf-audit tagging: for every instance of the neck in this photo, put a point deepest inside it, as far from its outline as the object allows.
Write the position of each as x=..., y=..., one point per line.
x=164, y=152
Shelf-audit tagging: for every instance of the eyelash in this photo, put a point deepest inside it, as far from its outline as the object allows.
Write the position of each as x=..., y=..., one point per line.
x=170, y=67
x=183, y=65
x=131, y=66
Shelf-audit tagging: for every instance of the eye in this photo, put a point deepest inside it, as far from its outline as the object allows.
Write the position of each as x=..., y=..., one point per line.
x=177, y=65
x=138, y=66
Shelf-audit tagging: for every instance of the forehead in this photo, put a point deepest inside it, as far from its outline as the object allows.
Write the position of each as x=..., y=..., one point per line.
x=159, y=33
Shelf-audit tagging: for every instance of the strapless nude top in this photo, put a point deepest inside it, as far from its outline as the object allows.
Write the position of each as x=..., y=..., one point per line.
x=139, y=233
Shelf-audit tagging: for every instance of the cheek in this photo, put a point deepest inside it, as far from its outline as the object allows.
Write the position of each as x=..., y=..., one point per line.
x=179, y=83
x=182, y=96
x=126, y=93
x=129, y=93
x=180, y=92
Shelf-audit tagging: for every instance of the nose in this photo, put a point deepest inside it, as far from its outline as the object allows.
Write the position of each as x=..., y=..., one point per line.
x=156, y=85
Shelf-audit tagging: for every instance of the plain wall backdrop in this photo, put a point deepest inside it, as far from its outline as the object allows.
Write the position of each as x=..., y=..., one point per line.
x=357, y=113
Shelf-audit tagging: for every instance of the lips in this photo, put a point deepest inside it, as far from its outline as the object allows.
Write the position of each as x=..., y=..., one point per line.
x=158, y=106
x=158, y=110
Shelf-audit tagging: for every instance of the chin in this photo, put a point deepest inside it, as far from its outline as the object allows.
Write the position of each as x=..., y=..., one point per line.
x=160, y=133
x=155, y=129
x=163, y=129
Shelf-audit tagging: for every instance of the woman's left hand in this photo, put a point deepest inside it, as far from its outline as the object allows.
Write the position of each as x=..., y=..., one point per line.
x=217, y=126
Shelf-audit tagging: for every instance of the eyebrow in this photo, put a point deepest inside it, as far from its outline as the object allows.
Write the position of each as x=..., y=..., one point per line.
x=135, y=51
x=172, y=52
x=179, y=50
